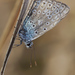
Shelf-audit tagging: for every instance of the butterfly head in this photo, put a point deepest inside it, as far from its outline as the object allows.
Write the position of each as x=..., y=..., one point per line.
x=28, y=44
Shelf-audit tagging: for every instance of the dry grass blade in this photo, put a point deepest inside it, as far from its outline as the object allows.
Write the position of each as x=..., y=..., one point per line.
x=23, y=10
x=10, y=24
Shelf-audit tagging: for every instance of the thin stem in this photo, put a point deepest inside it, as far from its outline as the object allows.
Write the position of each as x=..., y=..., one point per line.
x=22, y=13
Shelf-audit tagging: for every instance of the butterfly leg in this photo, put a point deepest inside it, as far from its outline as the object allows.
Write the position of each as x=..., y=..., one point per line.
x=17, y=37
x=16, y=45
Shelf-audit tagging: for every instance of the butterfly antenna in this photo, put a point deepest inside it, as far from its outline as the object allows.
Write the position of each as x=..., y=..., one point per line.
x=31, y=59
x=34, y=56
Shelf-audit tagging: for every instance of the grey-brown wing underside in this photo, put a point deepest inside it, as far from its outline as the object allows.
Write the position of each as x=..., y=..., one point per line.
x=45, y=14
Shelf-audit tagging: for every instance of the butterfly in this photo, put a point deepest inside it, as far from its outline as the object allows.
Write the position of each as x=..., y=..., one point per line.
x=43, y=16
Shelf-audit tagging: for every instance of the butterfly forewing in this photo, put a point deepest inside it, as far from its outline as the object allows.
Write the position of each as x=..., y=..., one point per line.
x=43, y=16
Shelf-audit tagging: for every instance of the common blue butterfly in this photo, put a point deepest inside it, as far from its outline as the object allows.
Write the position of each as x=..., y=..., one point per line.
x=43, y=16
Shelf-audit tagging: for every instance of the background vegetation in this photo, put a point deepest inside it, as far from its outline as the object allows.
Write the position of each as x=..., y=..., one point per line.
x=55, y=50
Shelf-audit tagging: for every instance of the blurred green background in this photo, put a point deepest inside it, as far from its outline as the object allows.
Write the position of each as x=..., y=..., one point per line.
x=55, y=50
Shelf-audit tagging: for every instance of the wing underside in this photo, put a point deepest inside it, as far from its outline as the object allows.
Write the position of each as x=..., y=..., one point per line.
x=45, y=14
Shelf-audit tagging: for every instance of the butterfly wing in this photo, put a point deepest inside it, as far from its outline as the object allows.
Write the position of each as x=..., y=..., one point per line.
x=45, y=15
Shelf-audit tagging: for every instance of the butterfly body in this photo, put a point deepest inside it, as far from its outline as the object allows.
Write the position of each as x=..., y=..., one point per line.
x=43, y=16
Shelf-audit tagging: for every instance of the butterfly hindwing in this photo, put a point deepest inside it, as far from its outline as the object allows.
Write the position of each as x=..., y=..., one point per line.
x=45, y=15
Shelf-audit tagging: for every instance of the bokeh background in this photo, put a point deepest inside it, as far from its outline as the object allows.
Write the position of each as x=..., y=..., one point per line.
x=55, y=50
